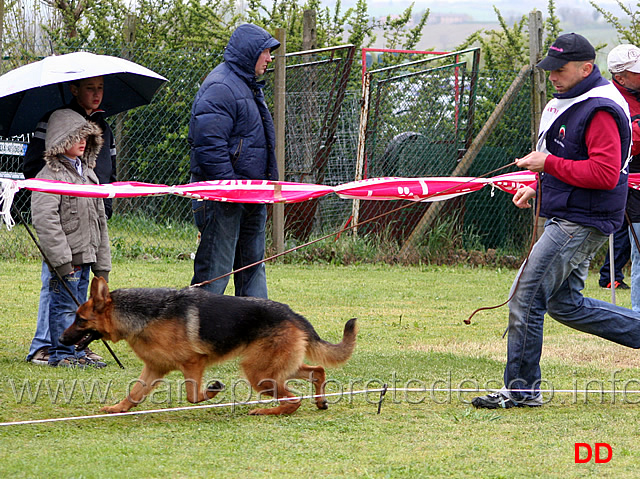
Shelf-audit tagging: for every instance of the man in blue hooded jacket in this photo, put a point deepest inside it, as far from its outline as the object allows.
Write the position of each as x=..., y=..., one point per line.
x=232, y=137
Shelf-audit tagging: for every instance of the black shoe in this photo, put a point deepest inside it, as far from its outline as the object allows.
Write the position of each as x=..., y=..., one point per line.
x=618, y=285
x=500, y=401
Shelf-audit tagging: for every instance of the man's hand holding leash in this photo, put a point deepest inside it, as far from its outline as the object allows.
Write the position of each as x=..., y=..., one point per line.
x=534, y=161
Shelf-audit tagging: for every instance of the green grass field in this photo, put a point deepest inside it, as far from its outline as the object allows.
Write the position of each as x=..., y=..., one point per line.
x=412, y=335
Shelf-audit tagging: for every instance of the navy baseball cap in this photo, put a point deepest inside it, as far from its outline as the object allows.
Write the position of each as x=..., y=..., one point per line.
x=570, y=47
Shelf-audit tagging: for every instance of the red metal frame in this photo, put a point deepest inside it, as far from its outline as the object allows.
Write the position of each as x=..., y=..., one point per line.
x=392, y=50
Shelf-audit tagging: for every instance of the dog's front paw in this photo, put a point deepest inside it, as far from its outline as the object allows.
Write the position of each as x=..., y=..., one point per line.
x=113, y=409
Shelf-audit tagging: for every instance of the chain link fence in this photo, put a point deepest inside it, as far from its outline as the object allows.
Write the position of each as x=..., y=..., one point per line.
x=420, y=121
x=316, y=86
x=423, y=118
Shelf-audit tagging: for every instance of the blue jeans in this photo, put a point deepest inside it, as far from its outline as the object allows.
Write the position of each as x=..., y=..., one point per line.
x=62, y=309
x=232, y=236
x=551, y=281
x=42, y=338
x=635, y=268
x=621, y=255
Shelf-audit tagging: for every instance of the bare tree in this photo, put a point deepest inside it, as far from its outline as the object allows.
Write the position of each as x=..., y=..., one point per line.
x=71, y=12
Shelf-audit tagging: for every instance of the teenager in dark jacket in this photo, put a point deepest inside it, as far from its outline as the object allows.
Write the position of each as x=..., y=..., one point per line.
x=87, y=96
x=232, y=137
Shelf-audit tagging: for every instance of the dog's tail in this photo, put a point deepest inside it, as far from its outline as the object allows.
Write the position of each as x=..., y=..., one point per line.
x=328, y=354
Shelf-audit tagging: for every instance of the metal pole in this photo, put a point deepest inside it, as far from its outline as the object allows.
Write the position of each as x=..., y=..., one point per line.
x=612, y=270
x=466, y=161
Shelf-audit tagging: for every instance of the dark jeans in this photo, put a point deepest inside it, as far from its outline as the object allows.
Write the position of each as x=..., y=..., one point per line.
x=232, y=236
x=621, y=256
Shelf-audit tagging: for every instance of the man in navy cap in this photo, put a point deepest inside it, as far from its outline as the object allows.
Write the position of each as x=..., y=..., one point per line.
x=581, y=158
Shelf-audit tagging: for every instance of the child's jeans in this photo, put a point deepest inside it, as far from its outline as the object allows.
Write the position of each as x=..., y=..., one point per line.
x=62, y=309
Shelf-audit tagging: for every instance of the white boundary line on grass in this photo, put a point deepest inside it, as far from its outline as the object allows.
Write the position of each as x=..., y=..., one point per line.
x=300, y=398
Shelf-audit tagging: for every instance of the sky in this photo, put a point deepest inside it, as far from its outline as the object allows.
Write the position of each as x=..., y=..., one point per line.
x=480, y=10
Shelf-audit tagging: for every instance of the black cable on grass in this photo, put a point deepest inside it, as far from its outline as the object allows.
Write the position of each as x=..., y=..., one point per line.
x=382, y=393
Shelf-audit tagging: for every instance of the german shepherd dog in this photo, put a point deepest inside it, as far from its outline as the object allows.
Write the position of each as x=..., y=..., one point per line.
x=191, y=328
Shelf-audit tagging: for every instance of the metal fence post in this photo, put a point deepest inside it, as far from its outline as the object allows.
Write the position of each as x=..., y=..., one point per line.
x=279, y=116
x=465, y=162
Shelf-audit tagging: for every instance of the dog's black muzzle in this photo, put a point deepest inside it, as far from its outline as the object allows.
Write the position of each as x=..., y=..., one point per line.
x=81, y=339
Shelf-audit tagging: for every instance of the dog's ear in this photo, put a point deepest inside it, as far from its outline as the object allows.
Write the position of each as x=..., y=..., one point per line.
x=99, y=293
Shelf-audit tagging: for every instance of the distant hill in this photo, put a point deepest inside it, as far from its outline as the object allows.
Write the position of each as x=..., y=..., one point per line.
x=445, y=37
x=452, y=21
x=483, y=11
x=448, y=36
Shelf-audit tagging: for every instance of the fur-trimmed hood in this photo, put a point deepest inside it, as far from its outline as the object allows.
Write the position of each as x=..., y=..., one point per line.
x=65, y=128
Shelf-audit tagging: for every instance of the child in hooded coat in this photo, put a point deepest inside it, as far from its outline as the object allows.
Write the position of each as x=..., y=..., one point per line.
x=72, y=230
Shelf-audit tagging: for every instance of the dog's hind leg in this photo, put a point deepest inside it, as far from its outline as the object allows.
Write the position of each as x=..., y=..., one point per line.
x=270, y=362
x=193, y=372
x=276, y=389
x=144, y=384
x=316, y=376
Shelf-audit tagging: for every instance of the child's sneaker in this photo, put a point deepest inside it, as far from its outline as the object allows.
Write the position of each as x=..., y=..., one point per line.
x=92, y=355
x=41, y=357
x=68, y=362
x=92, y=362
x=73, y=362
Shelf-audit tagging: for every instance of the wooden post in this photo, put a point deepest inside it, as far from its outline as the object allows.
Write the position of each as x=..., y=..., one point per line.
x=539, y=84
x=128, y=37
x=361, y=153
x=309, y=33
x=1, y=33
x=279, y=116
x=538, y=88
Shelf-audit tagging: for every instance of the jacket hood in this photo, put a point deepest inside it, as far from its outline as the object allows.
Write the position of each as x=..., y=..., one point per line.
x=67, y=127
x=246, y=44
